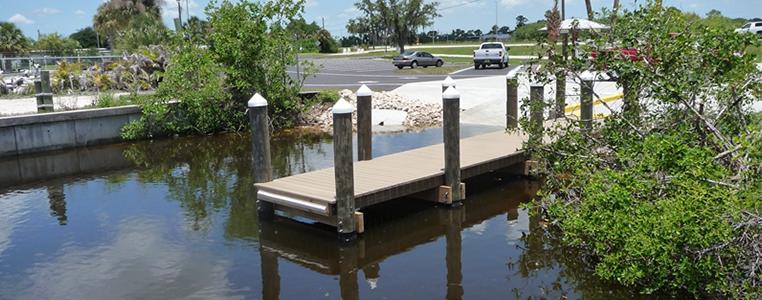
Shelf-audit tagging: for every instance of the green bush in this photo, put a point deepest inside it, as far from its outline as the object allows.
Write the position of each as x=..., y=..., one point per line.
x=191, y=99
x=667, y=195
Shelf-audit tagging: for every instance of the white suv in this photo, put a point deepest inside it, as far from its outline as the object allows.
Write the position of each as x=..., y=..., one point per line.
x=753, y=27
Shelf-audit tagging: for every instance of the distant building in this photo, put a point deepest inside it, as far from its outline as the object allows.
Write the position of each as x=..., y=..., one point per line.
x=495, y=37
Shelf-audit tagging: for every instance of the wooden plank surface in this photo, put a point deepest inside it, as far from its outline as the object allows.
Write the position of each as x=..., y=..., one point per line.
x=403, y=173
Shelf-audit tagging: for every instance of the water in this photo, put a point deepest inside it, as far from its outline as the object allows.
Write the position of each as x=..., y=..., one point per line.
x=176, y=219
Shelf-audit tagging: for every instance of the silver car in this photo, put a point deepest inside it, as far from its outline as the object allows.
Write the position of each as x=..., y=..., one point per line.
x=414, y=59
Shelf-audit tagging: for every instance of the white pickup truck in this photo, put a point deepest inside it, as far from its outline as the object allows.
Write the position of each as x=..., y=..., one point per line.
x=491, y=54
x=753, y=27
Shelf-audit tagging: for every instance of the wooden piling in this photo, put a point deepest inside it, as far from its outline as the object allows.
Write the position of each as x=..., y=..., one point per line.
x=586, y=104
x=364, y=123
x=512, y=100
x=559, y=109
x=536, y=104
x=343, y=170
x=260, y=149
x=453, y=253
x=44, y=93
x=451, y=134
x=448, y=82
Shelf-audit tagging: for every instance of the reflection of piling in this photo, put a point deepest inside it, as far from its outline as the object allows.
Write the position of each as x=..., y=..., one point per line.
x=586, y=104
x=57, y=202
x=350, y=290
x=268, y=266
x=448, y=82
x=364, y=126
x=343, y=168
x=454, y=241
x=451, y=134
x=44, y=93
x=512, y=100
x=260, y=148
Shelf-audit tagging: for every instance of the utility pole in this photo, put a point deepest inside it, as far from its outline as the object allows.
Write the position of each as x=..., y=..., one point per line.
x=563, y=10
x=323, y=18
x=179, y=12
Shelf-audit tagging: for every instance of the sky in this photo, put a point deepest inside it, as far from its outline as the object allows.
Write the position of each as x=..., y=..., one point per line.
x=67, y=16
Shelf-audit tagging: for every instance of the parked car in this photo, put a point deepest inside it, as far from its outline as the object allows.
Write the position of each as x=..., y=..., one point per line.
x=753, y=27
x=491, y=54
x=414, y=59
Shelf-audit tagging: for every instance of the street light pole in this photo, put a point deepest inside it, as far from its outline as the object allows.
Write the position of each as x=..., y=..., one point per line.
x=179, y=12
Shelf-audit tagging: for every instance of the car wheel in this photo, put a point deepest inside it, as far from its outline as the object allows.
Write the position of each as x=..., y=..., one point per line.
x=425, y=67
x=413, y=65
x=399, y=67
x=476, y=66
x=439, y=63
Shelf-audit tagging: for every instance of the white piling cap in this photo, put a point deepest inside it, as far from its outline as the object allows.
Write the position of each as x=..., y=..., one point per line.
x=448, y=81
x=342, y=107
x=451, y=94
x=512, y=74
x=587, y=76
x=257, y=101
x=364, y=91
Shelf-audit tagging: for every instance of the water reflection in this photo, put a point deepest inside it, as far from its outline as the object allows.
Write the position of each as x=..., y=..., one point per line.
x=176, y=219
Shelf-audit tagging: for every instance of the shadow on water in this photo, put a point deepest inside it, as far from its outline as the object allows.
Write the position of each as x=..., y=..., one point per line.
x=488, y=248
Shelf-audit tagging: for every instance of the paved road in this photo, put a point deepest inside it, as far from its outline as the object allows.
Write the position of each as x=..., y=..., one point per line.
x=377, y=73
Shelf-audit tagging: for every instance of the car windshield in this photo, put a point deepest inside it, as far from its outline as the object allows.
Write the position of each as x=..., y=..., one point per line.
x=491, y=46
x=746, y=25
x=408, y=53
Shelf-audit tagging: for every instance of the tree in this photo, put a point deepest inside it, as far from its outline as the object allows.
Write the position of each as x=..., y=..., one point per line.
x=56, y=44
x=504, y=30
x=197, y=29
x=250, y=41
x=143, y=30
x=521, y=21
x=494, y=29
x=114, y=16
x=589, y=7
x=399, y=17
x=327, y=42
x=86, y=37
x=12, y=40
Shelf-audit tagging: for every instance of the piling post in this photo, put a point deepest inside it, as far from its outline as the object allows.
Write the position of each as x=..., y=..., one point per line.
x=560, y=106
x=536, y=104
x=451, y=134
x=44, y=93
x=260, y=149
x=512, y=99
x=586, y=103
x=448, y=82
x=364, y=125
x=343, y=170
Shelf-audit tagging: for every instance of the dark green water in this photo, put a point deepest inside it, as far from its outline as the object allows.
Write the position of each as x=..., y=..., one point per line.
x=176, y=219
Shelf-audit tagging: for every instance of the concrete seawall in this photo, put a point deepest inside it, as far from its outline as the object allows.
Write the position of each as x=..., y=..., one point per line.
x=63, y=130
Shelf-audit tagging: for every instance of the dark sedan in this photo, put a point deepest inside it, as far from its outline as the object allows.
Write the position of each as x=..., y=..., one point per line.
x=414, y=59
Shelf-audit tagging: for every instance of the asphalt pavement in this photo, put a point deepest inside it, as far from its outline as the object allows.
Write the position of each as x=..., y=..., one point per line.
x=377, y=73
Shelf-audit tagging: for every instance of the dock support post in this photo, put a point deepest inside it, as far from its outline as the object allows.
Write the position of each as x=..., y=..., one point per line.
x=348, y=269
x=586, y=104
x=268, y=261
x=512, y=100
x=44, y=93
x=536, y=105
x=260, y=149
x=343, y=170
x=364, y=125
x=559, y=108
x=448, y=82
x=451, y=134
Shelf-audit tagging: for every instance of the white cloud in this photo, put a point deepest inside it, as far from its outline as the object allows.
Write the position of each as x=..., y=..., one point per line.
x=169, y=8
x=46, y=11
x=20, y=19
x=79, y=12
x=310, y=3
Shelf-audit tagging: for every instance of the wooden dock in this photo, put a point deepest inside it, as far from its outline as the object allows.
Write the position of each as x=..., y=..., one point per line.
x=416, y=173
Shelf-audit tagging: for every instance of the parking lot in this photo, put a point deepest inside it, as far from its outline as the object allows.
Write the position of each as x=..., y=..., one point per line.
x=377, y=73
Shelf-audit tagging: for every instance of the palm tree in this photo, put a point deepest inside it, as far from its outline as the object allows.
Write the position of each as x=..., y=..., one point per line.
x=113, y=16
x=589, y=6
x=12, y=40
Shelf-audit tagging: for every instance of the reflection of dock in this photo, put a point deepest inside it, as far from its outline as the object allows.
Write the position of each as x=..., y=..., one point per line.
x=317, y=249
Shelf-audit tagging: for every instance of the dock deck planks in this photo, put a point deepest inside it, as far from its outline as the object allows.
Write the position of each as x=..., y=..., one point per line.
x=405, y=173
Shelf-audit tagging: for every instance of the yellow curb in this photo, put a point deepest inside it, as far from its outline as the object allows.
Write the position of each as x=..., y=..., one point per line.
x=607, y=99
